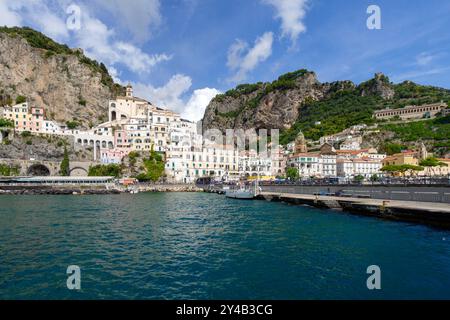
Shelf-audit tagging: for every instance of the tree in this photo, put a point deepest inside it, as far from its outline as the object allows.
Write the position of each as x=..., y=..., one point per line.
x=154, y=167
x=432, y=163
x=401, y=169
x=72, y=124
x=65, y=164
x=412, y=168
x=292, y=174
x=110, y=170
x=21, y=99
x=5, y=123
x=359, y=178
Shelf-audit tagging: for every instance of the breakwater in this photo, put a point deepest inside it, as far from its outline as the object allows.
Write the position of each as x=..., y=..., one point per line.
x=89, y=189
x=433, y=214
x=420, y=193
x=170, y=188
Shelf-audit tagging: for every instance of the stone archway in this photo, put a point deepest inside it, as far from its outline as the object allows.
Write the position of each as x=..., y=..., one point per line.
x=38, y=170
x=78, y=172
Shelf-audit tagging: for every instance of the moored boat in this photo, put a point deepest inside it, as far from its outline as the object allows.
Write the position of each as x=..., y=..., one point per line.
x=240, y=194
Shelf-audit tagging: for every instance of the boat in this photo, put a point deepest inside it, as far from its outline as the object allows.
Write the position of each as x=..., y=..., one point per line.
x=240, y=194
x=244, y=194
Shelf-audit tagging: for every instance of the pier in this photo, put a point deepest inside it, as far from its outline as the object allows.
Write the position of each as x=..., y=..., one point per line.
x=434, y=214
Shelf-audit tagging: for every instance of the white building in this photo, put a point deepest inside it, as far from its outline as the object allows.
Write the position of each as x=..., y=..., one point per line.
x=351, y=168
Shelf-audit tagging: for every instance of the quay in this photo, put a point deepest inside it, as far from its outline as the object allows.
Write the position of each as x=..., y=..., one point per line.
x=433, y=214
x=58, y=185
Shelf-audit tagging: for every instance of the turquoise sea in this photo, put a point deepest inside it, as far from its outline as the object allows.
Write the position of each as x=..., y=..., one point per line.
x=204, y=246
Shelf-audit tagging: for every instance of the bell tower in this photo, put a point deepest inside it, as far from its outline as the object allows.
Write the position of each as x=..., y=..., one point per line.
x=129, y=93
x=300, y=144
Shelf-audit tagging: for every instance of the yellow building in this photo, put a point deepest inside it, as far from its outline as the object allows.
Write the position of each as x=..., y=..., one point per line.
x=407, y=157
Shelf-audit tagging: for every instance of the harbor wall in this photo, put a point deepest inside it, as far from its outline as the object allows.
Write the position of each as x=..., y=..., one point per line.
x=422, y=193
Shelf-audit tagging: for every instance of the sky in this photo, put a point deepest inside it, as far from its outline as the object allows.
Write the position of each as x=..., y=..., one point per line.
x=179, y=54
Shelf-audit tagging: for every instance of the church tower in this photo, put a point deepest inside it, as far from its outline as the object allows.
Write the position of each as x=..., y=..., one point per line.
x=129, y=91
x=423, y=153
x=300, y=144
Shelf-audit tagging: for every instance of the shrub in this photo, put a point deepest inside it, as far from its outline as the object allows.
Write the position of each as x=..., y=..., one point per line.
x=5, y=123
x=72, y=124
x=21, y=99
x=26, y=134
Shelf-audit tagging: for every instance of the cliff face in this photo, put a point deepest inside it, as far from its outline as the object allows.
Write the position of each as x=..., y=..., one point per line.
x=278, y=105
x=263, y=105
x=297, y=101
x=65, y=82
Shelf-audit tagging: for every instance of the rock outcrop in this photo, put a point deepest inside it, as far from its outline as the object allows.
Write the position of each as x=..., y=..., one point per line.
x=278, y=105
x=67, y=84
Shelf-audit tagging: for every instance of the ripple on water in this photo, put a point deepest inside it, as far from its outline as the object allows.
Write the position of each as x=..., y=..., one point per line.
x=204, y=246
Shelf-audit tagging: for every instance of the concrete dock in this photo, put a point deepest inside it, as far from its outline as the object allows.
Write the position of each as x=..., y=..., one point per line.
x=434, y=214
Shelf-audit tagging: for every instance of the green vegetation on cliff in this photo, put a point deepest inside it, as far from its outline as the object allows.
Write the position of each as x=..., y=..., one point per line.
x=435, y=131
x=345, y=108
x=154, y=168
x=335, y=113
x=5, y=123
x=110, y=170
x=8, y=171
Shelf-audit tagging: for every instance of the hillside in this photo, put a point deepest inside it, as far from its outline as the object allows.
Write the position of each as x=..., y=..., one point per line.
x=297, y=101
x=64, y=81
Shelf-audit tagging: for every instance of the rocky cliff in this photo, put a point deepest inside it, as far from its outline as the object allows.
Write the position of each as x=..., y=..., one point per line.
x=298, y=101
x=278, y=105
x=68, y=84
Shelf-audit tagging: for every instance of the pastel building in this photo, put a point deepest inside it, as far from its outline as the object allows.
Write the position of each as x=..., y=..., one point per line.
x=351, y=168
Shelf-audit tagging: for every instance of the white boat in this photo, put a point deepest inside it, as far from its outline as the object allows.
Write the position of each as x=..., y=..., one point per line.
x=240, y=194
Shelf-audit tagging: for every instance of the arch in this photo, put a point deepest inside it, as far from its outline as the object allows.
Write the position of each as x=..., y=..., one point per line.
x=113, y=116
x=110, y=145
x=123, y=117
x=104, y=144
x=38, y=170
x=78, y=172
x=79, y=141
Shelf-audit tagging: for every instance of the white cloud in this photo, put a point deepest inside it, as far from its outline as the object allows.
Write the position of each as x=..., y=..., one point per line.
x=99, y=43
x=13, y=13
x=98, y=40
x=167, y=96
x=196, y=106
x=292, y=14
x=8, y=17
x=425, y=59
x=243, y=59
x=171, y=94
x=140, y=17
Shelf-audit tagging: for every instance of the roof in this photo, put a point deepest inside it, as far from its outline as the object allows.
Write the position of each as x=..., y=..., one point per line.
x=132, y=98
x=61, y=179
x=309, y=154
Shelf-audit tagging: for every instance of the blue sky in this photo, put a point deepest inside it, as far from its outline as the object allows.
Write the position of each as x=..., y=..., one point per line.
x=180, y=53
